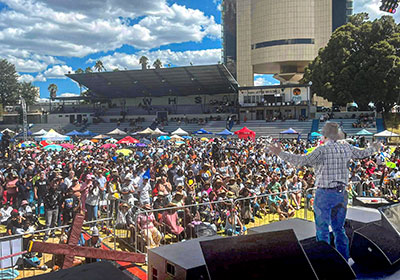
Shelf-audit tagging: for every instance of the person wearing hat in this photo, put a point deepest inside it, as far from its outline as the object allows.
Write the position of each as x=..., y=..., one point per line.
x=127, y=189
x=147, y=225
x=25, y=209
x=171, y=219
x=144, y=189
x=14, y=223
x=330, y=162
x=94, y=241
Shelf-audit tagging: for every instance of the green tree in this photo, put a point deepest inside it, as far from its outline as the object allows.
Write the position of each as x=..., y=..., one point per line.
x=9, y=85
x=99, y=66
x=143, y=61
x=157, y=64
x=88, y=70
x=53, y=91
x=360, y=63
x=79, y=71
x=29, y=92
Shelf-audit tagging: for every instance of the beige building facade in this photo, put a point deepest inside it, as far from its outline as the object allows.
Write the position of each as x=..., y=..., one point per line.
x=281, y=37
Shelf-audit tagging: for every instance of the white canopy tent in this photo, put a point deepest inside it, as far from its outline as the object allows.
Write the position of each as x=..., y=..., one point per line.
x=8, y=130
x=180, y=131
x=159, y=132
x=146, y=131
x=40, y=132
x=117, y=131
x=53, y=135
x=386, y=133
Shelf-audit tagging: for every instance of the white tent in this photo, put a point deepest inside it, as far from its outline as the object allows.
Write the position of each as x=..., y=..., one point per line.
x=117, y=131
x=53, y=135
x=146, y=131
x=159, y=132
x=40, y=132
x=179, y=131
x=8, y=130
x=386, y=133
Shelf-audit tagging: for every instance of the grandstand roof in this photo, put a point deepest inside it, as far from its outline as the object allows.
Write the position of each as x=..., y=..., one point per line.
x=188, y=80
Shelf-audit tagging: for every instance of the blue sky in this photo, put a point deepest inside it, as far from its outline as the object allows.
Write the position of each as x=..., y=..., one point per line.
x=46, y=39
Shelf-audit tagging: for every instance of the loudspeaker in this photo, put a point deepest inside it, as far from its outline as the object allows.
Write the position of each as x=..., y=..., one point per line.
x=327, y=262
x=303, y=229
x=358, y=217
x=375, y=246
x=257, y=256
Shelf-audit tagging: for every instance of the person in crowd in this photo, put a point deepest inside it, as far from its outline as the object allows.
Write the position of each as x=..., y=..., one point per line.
x=147, y=225
x=52, y=203
x=40, y=190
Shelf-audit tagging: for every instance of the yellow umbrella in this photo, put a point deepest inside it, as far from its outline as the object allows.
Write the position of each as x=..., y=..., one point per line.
x=125, y=152
x=204, y=139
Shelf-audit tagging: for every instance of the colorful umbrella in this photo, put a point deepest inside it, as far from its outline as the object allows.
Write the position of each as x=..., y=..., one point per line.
x=67, y=145
x=128, y=140
x=163, y=137
x=108, y=146
x=87, y=147
x=53, y=148
x=125, y=152
x=204, y=139
x=111, y=140
x=141, y=145
x=44, y=143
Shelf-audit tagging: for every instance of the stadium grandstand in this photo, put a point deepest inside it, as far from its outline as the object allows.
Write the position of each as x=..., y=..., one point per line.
x=190, y=97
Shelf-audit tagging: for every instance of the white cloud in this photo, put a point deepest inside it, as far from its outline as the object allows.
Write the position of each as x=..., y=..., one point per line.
x=26, y=78
x=57, y=72
x=131, y=61
x=67, y=94
x=80, y=28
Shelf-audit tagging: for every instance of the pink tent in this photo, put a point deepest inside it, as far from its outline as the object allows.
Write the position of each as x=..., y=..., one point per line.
x=246, y=133
x=128, y=140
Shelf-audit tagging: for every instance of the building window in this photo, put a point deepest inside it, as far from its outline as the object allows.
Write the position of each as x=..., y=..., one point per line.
x=155, y=274
x=285, y=42
x=171, y=269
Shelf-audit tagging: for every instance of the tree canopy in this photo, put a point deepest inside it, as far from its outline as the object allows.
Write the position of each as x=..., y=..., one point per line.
x=360, y=63
x=11, y=89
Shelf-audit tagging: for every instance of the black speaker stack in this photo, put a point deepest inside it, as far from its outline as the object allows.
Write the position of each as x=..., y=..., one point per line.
x=289, y=250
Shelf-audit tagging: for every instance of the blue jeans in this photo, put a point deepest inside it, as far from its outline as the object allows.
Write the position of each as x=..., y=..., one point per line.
x=91, y=213
x=330, y=207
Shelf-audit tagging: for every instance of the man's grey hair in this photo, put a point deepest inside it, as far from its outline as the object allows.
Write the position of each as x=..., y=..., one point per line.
x=332, y=131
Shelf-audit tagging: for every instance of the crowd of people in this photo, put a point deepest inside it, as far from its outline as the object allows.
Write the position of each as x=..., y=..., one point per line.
x=227, y=183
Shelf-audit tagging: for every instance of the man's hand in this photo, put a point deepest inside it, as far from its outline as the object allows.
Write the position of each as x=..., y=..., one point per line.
x=274, y=149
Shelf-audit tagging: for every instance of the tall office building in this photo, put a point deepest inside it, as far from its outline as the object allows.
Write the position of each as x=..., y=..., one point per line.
x=277, y=37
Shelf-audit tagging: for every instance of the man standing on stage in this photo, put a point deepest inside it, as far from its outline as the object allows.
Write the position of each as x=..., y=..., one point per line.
x=332, y=176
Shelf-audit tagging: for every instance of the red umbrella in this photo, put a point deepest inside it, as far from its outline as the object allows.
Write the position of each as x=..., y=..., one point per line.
x=245, y=133
x=44, y=143
x=128, y=140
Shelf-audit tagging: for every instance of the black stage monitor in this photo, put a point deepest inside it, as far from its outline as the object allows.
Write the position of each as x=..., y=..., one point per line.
x=391, y=217
x=271, y=255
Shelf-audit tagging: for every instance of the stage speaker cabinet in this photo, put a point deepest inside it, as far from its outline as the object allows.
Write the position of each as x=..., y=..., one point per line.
x=377, y=245
x=358, y=217
x=327, y=262
x=257, y=256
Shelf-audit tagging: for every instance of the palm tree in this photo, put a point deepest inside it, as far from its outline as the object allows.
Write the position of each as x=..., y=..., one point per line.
x=157, y=64
x=88, y=70
x=115, y=70
x=79, y=71
x=99, y=66
x=53, y=92
x=143, y=61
